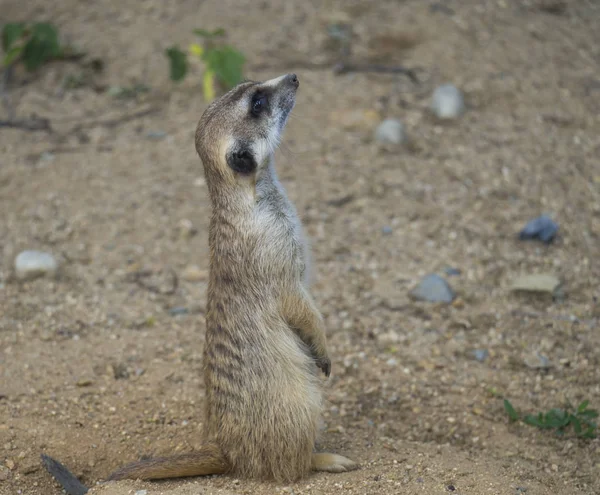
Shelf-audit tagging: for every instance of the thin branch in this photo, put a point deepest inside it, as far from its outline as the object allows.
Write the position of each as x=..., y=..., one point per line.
x=34, y=124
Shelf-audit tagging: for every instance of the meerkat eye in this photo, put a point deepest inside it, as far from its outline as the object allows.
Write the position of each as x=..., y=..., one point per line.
x=259, y=102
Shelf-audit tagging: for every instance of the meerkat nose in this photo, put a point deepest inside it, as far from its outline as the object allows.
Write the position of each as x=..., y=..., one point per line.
x=292, y=79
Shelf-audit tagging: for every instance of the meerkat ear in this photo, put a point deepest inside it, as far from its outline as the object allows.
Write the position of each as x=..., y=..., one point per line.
x=242, y=161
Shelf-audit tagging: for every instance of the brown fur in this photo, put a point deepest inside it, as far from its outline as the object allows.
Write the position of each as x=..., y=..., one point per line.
x=265, y=338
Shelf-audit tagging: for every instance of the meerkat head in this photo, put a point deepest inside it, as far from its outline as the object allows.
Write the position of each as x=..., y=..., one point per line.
x=239, y=131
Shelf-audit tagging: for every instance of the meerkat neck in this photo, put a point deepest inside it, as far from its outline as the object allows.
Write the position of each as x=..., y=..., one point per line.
x=231, y=194
x=267, y=180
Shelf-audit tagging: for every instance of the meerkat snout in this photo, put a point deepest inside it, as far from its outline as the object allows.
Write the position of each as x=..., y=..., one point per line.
x=293, y=80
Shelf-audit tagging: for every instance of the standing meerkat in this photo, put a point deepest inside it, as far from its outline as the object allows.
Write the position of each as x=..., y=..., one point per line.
x=265, y=339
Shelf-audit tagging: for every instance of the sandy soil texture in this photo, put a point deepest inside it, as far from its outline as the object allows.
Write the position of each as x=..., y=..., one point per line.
x=101, y=365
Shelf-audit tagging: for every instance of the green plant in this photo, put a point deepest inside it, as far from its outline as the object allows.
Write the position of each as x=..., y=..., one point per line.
x=223, y=63
x=582, y=419
x=33, y=44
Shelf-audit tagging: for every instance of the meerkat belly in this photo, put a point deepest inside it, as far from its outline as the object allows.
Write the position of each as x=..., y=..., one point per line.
x=269, y=422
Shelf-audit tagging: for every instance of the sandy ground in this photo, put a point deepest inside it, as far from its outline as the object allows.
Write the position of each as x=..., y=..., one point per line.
x=96, y=370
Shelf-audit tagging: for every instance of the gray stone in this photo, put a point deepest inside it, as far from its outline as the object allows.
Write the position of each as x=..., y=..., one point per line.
x=542, y=228
x=447, y=102
x=390, y=131
x=433, y=288
x=32, y=264
x=481, y=354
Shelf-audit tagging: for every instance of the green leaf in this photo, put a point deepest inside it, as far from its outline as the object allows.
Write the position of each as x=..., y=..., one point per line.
x=588, y=414
x=227, y=64
x=209, y=34
x=557, y=418
x=532, y=420
x=12, y=55
x=47, y=34
x=11, y=32
x=510, y=410
x=42, y=46
x=576, y=425
x=583, y=406
x=178, y=63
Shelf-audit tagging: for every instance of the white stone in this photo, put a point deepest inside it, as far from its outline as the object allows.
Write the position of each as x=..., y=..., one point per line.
x=32, y=264
x=390, y=131
x=447, y=102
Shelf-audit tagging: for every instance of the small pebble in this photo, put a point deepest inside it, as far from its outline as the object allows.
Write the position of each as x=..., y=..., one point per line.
x=32, y=264
x=390, y=131
x=542, y=228
x=447, y=102
x=433, y=288
x=386, y=230
x=481, y=354
x=193, y=273
x=538, y=282
x=178, y=311
x=156, y=135
x=537, y=361
x=141, y=492
x=119, y=371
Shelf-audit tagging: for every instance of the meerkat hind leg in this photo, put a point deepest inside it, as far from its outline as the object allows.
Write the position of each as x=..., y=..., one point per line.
x=332, y=463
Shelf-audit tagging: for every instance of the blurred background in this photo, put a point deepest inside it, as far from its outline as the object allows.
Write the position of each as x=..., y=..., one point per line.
x=444, y=157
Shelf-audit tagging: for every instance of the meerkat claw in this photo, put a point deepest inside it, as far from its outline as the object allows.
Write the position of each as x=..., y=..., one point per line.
x=325, y=365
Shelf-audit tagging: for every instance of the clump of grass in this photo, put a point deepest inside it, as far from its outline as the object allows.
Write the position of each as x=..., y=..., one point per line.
x=582, y=419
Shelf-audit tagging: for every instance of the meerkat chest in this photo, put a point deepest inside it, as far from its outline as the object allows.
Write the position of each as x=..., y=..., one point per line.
x=281, y=235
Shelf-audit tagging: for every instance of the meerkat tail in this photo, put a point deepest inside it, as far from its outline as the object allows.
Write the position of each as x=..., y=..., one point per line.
x=60, y=473
x=332, y=463
x=207, y=460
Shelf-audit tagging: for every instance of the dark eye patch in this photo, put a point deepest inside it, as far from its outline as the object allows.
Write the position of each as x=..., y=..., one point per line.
x=260, y=101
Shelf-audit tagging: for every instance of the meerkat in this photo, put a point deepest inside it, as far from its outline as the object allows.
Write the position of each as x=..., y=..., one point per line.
x=265, y=342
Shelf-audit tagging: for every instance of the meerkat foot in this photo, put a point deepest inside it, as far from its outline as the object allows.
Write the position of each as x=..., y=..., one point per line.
x=332, y=463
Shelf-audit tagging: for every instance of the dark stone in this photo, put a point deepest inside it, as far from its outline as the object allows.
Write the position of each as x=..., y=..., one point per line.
x=542, y=228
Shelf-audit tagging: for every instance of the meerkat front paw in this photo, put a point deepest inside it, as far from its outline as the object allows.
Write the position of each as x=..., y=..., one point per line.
x=324, y=363
x=321, y=356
